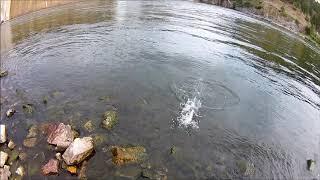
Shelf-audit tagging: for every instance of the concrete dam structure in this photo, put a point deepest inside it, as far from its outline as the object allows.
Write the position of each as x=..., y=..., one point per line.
x=14, y=8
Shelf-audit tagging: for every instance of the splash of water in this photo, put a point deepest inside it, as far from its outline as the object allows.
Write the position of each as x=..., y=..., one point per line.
x=190, y=108
x=188, y=112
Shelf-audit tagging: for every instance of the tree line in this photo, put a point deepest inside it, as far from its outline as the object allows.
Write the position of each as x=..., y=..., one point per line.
x=311, y=8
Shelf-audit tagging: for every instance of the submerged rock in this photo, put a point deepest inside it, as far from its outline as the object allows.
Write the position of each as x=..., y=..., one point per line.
x=246, y=168
x=45, y=99
x=3, y=133
x=62, y=137
x=128, y=172
x=99, y=139
x=82, y=173
x=173, y=150
x=78, y=150
x=3, y=74
x=89, y=126
x=153, y=174
x=59, y=156
x=5, y=172
x=23, y=156
x=10, y=112
x=109, y=119
x=125, y=155
x=28, y=108
x=11, y=145
x=72, y=169
x=3, y=158
x=14, y=154
x=51, y=167
x=30, y=142
x=20, y=171
x=311, y=165
x=33, y=131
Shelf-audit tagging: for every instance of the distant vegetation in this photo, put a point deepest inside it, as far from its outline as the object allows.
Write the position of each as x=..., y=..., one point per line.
x=310, y=8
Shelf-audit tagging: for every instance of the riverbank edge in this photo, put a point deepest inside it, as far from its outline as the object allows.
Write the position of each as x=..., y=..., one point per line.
x=314, y=40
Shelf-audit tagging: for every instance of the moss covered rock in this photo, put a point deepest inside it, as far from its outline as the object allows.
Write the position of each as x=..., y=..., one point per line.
x=110, y=119
x=125, y=155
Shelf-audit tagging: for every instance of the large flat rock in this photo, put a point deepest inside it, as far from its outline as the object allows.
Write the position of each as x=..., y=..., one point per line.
x=78, y=150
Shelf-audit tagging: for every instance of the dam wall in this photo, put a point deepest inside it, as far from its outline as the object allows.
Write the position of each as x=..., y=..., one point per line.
x=14, y=8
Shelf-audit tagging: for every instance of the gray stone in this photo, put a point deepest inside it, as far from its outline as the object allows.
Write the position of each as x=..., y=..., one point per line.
x=10, y=112
x=246, y=168
x=11, y=145
x=78, y=150
x=89, y=126
x=311, y=164
x=28, y=108
x=3, y=134
x=3, y=74
x=3, y=158
x=20, y=171
x=33, y=131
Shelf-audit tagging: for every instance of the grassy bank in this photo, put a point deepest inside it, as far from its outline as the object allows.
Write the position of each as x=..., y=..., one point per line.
x=301, y=16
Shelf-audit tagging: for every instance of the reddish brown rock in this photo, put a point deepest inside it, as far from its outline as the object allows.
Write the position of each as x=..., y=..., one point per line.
x=62, y=137
x=51, y=167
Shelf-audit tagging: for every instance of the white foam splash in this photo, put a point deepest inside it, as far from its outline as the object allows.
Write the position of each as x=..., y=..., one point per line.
x=188, y=112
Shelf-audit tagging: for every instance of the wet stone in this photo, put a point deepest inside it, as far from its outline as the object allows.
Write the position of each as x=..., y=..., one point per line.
x=51, y=167
x=246, y=168
x=30, y=142
x=62, y=137
x=311, y=165
x=110, y=119
x=45, y=99
x=82, y=172
x=129, y=172
x=59, y=156
x=79, y=150
x=3, y=74
x=3, y=134
x=153, y=174
x=72, y=169
x=5, y=172
x=28, y=108
x=125, y=155
x=11, y=145
x=3, y=158
x=14, y=154
x=33, y=131
x=89, y=126
x=99, y=139
x=173, y=150
x=20, y=171
x=23, y=156
x=10, y=112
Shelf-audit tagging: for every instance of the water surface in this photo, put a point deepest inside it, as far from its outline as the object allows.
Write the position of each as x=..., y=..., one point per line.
x=220, y=86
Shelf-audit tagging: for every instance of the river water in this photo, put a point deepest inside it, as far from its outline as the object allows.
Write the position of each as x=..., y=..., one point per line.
x=219, y=86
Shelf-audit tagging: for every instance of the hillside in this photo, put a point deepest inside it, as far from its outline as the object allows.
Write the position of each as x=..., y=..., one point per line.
x=297, y=15
x=301, y=16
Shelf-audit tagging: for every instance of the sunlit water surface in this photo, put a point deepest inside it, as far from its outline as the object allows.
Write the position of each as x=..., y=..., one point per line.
x=218, y=85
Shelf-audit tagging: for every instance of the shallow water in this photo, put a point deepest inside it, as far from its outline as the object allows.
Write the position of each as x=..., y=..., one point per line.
x=220, y=86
